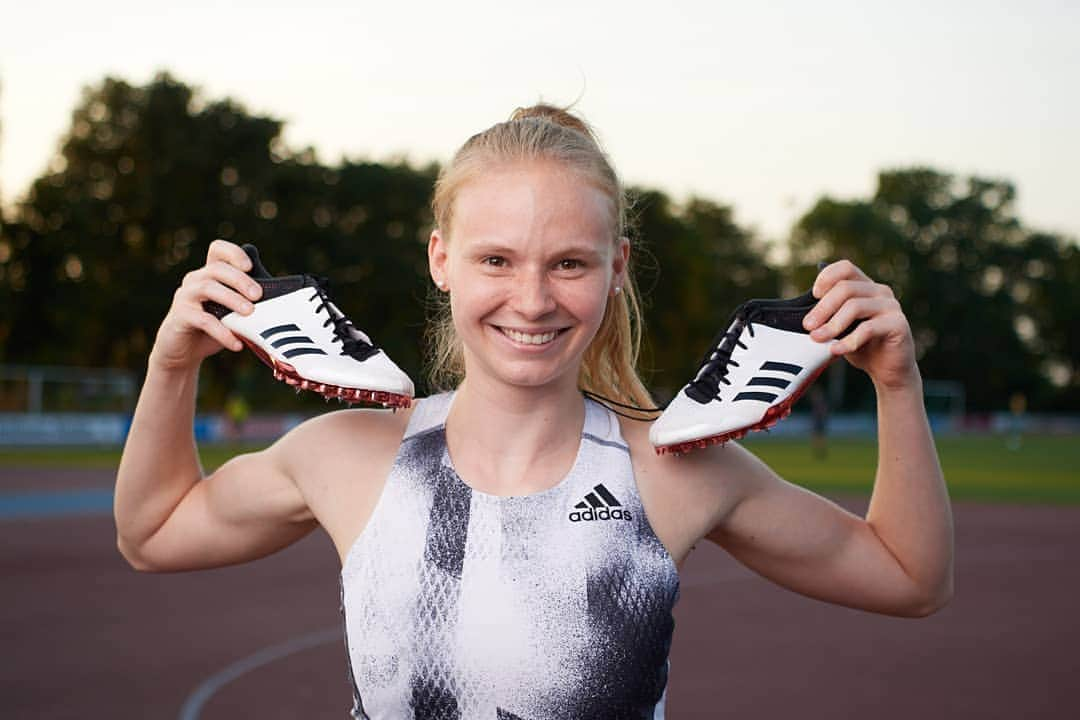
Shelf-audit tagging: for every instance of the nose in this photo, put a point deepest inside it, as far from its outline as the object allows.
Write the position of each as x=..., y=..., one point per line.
x=533, y=298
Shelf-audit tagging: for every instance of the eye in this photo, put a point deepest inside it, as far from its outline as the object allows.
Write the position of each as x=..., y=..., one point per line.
x=494, y=261
x=571, y=264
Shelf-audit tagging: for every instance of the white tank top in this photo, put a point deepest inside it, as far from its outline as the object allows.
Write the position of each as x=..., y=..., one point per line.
x=555, y=605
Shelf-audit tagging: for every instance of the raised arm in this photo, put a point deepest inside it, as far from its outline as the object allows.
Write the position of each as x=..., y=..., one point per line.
x=167, y=516
x=899, y=559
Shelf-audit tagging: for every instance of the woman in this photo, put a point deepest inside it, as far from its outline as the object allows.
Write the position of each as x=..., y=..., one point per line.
x=510, y=549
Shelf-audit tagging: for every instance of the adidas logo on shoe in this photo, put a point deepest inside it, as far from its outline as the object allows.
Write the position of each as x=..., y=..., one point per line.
x=298, y=331
x=599, y=504
x=753, y=374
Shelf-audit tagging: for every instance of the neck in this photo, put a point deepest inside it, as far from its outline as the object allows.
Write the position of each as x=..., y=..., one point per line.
x=510, y=440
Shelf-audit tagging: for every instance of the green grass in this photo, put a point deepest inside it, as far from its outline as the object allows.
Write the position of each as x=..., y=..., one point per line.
x=1042, y=470
x=103, y=457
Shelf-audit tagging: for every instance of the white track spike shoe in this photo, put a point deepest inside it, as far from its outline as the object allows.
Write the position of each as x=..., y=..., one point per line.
x=311, y=345
x=749, y=379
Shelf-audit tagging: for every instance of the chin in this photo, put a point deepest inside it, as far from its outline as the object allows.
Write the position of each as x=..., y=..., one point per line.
x=525, y=374
x=530, y=377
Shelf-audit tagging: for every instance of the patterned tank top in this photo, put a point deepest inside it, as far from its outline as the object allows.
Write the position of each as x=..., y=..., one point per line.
x=550, y=606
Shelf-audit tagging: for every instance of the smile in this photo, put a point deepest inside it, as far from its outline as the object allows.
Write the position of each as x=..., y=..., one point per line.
x=530, y=338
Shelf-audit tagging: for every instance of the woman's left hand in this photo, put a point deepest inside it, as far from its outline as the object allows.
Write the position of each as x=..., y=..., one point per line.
x=881, y=345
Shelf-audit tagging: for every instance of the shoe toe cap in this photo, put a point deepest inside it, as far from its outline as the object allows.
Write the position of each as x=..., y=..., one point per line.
x=687, y=420
x=377, y=372
x=684, y=420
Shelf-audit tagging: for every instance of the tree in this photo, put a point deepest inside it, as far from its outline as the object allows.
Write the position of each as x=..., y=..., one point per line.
x=1050, y=288
x=135, y=192
x=957, y=257
x=696, y=266
x=146, y=178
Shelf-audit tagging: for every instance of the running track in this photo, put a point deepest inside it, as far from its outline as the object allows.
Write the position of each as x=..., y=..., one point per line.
x=87, y=637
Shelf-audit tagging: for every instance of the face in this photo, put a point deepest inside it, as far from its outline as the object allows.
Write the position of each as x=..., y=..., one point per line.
x=530, y=263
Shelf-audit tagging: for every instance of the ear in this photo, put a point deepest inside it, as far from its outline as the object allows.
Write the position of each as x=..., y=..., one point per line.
x=436, y=252
x=619, y=261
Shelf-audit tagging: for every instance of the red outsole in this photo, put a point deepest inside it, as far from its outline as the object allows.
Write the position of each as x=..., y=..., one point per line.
x=772, y=416
x=287, y=374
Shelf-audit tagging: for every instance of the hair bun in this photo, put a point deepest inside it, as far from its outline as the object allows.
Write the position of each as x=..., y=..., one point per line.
x=557, y=115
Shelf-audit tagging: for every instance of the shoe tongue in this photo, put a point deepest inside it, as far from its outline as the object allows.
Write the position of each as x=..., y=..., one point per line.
x=257, y=270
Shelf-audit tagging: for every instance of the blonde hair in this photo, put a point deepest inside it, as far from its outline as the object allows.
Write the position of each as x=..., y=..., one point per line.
x=545, y=132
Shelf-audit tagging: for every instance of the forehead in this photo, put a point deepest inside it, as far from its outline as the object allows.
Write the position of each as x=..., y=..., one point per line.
x=531, y=201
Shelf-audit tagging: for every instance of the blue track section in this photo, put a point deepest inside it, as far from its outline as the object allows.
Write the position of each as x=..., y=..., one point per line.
x=55, y=504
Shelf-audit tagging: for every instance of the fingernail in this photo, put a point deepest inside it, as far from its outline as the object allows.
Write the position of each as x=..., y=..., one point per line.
x=809, y=322
x=253, y=291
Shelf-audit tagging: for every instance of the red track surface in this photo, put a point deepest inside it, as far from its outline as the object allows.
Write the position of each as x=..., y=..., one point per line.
x=87, y=637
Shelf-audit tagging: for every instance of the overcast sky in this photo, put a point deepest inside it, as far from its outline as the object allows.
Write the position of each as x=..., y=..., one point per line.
x=766, y=106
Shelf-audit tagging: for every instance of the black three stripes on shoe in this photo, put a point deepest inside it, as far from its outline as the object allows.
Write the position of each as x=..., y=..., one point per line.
x=311, y=348
x=599, y=504
x=767, y=381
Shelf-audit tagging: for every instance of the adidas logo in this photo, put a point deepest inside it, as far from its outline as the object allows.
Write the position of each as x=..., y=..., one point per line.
x=303, y=345
x=600, y=504
x=767, y=381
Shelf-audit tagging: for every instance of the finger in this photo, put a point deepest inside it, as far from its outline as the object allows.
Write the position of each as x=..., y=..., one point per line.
x=211, y=289
x=880, y=326
x=834, y=273
x=836, y=296
x=863, y=334
x=858, y=308
x=210, y=325
x=225, y=251
x=233, y=277
x=854, y=340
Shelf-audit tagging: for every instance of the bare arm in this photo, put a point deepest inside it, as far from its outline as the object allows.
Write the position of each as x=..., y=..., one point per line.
x=160, y=463
x=170, y=518
x=812, y=546
x=899, y=560
x=909, y=509
x=167, y=516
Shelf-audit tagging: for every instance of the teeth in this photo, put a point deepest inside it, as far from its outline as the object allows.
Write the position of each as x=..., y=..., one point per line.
x=529, y=339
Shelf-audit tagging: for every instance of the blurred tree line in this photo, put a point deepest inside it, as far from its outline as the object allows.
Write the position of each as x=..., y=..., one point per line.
x=991, y=304
x=147, y=176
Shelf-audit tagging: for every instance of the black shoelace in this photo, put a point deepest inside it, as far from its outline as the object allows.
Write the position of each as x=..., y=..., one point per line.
x=714, y=366
x=608, y=402
x=712, y=370
x=351, y=345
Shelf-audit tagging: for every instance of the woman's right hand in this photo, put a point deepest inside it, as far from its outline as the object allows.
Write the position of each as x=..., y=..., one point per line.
x=188, y=334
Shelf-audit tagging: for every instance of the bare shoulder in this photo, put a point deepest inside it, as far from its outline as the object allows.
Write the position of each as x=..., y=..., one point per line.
x=687, y=496
x=339, y=461
x=353, y=431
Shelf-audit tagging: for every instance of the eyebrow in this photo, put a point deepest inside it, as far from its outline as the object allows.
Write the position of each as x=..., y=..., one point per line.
x=494, y=248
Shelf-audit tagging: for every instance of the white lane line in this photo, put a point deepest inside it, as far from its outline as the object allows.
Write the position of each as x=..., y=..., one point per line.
x=194, y=703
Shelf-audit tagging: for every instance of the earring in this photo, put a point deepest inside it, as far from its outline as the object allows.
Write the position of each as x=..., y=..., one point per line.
x=442, y=285
x=618, y=289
